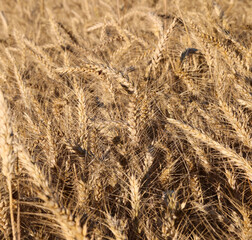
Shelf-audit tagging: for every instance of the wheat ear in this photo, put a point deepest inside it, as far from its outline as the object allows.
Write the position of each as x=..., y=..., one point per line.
x=237, y=160
x=7, y=153
x=101, y=71
x=70, y=226
x=156, y=57
x=116, y=226
x=4, y=222
x=21, y=85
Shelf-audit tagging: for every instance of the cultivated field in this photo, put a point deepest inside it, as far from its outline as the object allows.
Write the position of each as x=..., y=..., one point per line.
x=126, y=119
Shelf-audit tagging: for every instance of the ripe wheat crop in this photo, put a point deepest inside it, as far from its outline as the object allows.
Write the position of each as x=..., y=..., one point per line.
x=126, y=119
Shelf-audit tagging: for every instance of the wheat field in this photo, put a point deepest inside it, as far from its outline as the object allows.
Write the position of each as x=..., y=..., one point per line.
x=126, y=119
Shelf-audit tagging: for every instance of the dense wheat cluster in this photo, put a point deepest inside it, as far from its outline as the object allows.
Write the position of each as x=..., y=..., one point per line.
x=126, y=119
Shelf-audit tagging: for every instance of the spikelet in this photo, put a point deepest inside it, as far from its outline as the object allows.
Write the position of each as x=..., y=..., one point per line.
x=135, y=196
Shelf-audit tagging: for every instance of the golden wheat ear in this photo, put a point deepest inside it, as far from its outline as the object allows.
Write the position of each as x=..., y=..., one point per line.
x=70, y=226
x=8, y=156
x=157, y=54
